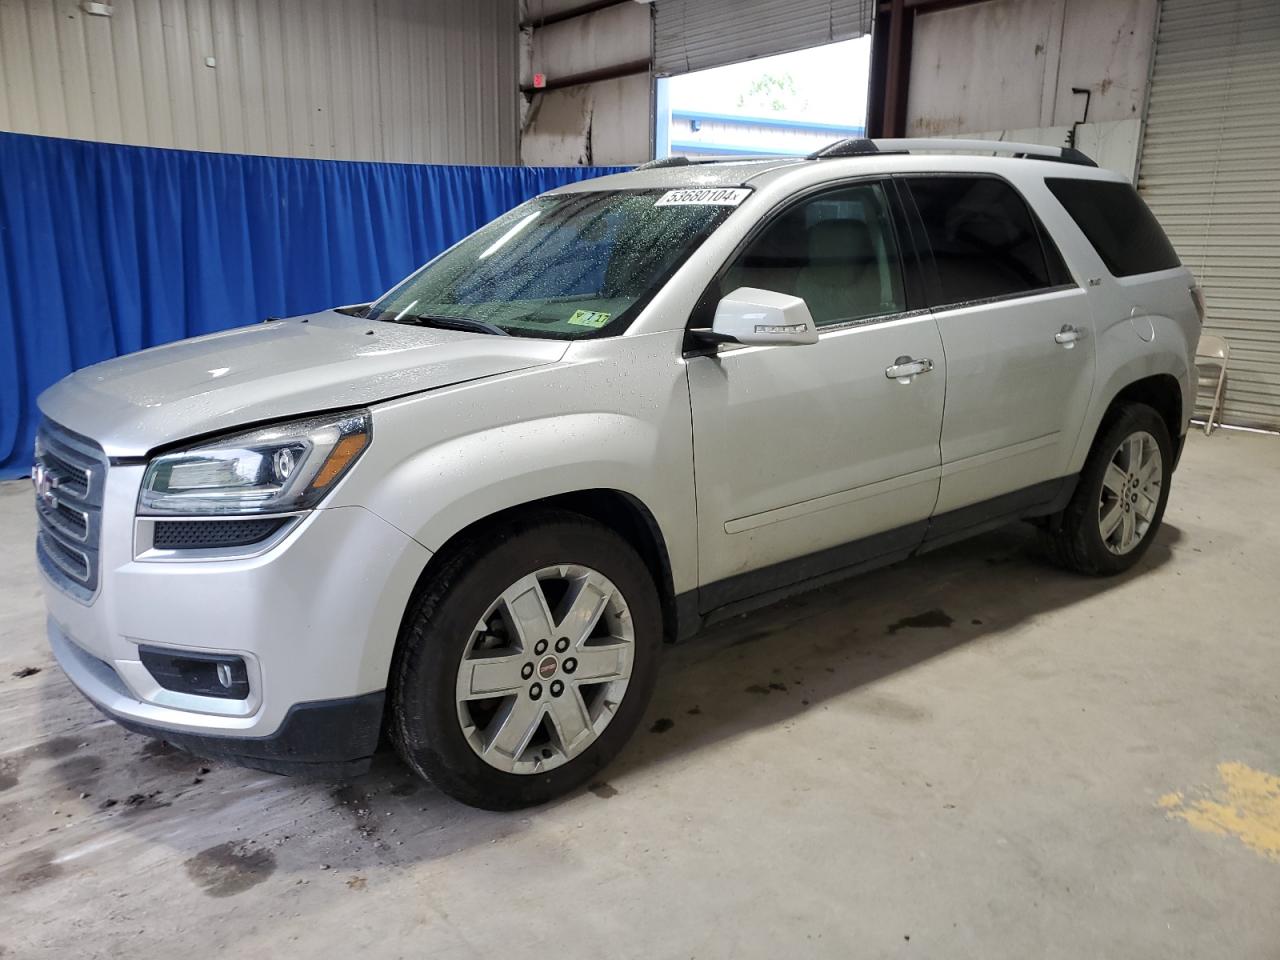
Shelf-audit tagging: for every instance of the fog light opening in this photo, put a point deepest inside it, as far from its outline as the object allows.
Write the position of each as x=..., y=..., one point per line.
x=200, y=674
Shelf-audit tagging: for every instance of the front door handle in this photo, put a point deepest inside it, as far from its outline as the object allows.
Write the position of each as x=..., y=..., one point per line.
x=904, y=368
x=1068, y=335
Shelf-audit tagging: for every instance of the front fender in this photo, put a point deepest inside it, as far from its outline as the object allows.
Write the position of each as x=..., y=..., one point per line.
x=615, y=417
x=436, y=492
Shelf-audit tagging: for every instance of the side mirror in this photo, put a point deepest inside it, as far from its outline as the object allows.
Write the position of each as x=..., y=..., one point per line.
x=760, y=318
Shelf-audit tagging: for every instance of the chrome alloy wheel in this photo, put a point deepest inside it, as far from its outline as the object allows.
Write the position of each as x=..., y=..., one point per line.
x=545, y=669
x=1130, y=492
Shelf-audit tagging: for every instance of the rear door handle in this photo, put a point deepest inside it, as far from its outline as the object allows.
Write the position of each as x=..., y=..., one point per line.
x=1068, y=335
x=904, y=368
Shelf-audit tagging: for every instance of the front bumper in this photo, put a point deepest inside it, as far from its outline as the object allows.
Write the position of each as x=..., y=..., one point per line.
x=315, y=619
x=329, y=738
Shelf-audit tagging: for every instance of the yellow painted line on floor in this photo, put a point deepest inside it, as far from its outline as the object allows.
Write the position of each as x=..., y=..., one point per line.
x=1247, y=807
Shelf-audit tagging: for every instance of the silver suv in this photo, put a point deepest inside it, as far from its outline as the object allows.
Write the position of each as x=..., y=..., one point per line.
x=470, y=512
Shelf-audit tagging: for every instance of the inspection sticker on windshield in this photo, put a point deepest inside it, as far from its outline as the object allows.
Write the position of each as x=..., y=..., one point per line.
x=589, y=318
x=718, y=197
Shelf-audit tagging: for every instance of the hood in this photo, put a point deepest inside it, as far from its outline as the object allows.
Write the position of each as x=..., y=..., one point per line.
x=324, y=361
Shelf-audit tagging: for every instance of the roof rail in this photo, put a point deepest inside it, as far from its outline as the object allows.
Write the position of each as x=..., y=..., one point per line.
x=861, y=147
x=663, y=162
x=690, y=161
x=851, y=147
x=943, y=144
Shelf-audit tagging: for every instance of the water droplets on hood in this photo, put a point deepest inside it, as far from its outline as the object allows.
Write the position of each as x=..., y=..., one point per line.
x=265, y=371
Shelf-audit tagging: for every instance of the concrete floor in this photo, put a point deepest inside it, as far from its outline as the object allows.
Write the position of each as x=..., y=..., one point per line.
x=1040, y=766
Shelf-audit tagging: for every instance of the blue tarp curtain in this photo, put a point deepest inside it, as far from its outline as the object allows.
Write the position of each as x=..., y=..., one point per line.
x=107, y=249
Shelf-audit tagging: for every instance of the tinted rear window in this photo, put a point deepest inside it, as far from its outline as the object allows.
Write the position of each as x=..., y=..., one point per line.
x=1118, y=224
x=985, y=241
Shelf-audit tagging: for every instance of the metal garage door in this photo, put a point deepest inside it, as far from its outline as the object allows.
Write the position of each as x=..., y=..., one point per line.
x=1210, y=170
x=697, y=34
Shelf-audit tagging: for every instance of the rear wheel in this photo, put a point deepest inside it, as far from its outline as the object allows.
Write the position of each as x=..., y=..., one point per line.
x=1120, y=498
x=527, y=662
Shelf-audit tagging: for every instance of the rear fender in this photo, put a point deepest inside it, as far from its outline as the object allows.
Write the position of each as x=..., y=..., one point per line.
x=1124, y=358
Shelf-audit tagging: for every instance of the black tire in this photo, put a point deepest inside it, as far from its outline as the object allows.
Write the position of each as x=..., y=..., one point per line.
x=1072, y=538
x=424, y=719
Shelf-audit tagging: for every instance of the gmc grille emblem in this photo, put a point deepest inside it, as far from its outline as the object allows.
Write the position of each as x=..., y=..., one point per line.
x=45, y=484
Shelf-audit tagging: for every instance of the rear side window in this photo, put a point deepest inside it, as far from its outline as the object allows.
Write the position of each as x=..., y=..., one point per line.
x=986, y=243
x=1124, y=232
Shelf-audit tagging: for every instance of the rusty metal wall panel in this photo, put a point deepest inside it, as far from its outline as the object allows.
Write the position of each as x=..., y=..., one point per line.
x=604, y=122
x=693, y=35
x=1209, y=172
x=1012, y=64
x=421, y=81
x=595, y=41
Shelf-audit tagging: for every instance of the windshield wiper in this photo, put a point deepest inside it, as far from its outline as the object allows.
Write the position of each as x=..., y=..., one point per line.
x=456, y=323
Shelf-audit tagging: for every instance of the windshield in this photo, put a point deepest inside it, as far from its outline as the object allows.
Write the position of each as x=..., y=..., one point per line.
x=567, y=266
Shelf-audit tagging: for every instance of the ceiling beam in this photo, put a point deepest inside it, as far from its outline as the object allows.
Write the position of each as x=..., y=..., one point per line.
x=589, y=76
x=533, y=23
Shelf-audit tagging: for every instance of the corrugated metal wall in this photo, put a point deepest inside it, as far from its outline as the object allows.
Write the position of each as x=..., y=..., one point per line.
x=1210, y=172
x=422, y=81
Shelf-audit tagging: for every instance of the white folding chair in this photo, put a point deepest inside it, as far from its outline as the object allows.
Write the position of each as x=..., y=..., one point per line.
x=1213, y=352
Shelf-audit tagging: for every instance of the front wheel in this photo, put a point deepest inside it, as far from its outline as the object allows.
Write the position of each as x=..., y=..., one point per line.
x=527, y=662
x=1120, y=498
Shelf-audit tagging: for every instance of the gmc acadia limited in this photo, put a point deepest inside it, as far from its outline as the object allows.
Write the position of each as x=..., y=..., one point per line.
x=470, y=512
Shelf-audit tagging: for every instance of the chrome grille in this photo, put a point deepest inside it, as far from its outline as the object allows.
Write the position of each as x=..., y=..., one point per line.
x=69, y=475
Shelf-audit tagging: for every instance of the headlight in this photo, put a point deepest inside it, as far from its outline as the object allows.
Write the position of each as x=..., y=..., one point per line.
x=275, y=469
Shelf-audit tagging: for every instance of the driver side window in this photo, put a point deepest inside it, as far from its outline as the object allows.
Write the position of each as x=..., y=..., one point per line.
x=836, y=250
